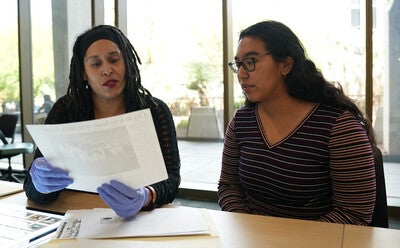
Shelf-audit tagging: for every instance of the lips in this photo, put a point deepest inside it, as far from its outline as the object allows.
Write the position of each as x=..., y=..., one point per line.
x=246, y=87
x=110, y=83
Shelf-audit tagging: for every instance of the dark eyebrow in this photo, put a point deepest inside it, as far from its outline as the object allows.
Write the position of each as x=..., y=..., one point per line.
x=110, y=53
x=248, y=54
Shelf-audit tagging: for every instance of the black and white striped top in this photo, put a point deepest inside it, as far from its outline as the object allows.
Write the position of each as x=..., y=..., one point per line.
x=323, y=170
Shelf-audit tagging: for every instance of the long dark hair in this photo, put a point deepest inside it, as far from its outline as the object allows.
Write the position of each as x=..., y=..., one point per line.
x=304, y=81
x=80, y=106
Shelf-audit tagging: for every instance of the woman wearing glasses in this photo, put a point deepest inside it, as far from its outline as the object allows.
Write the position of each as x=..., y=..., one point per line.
x=299, y=148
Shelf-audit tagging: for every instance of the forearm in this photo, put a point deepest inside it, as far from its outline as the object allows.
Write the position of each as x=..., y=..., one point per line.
x=231, y=198
x=35, y=195
x=166, y=191
x=231, y=195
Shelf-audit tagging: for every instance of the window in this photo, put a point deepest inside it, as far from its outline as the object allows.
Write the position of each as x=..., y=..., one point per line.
x=386, y=86
x=321, y=26
x=181, y=54
x=355, y=13
x=9, y=64
x=55, y=25
x=9, y=74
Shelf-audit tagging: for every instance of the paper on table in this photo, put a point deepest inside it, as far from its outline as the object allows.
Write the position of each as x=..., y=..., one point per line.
x=175, y=242
x=104, y=223
x=22, y=227
x=123, y=147
x=7, y=188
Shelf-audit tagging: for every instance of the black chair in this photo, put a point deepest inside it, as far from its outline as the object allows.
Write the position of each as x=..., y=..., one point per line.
x=9, y=149
x=380, y=215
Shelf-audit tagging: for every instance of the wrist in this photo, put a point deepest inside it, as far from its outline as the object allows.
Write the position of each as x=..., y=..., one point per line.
x=151, y=199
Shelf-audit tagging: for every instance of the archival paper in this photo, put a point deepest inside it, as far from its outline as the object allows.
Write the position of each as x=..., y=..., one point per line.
x=123, y=147
x=21, y=227
x=104, y=223
x=7, y=188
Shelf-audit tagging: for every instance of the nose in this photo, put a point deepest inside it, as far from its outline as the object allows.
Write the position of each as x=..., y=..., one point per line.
x=107, y=70
x=242, y=73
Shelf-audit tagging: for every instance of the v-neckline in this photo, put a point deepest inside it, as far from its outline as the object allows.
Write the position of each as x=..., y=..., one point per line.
x=290, y=134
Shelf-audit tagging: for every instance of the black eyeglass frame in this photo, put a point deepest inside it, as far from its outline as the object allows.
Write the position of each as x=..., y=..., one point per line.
x=235, y=65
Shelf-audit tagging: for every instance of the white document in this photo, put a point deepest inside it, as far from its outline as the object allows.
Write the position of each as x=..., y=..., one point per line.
x=123, y=147
x=21, y=227
x=104, y=223
x=7, y=188
x=172, y=242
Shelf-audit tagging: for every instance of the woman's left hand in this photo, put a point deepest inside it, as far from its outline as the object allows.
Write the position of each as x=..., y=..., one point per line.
x=124, y=200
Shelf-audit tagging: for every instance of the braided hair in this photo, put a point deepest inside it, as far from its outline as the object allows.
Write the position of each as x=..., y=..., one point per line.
x=79, y=93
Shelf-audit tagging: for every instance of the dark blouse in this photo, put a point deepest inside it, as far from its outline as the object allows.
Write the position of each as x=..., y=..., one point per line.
x=166, y=133
x=323, y=170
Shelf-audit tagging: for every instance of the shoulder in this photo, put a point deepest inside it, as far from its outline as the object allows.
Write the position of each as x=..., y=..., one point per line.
x=58, y=113
x=160, y=103
x=329, y=110
x=245, y=110
x=62, y=101
x=160, y=111
x=338, y=114
x=244, y=116
x=341, y=121
x=159, y=107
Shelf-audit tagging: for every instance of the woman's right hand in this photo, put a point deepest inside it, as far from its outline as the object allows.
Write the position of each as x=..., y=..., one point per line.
x=47, y=178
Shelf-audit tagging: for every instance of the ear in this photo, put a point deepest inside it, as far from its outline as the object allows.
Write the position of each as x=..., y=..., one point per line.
x=84, y=77
x=287, y=65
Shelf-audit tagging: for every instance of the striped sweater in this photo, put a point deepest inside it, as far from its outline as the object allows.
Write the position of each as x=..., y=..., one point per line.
x=323, y=170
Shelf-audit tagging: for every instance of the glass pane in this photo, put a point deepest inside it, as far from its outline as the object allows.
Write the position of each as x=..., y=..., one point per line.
x=9, y=72
x=386, y=76
x=55, y=25
x=326, y=30
x=181, y=53
x=109, y=12
x=42, y=58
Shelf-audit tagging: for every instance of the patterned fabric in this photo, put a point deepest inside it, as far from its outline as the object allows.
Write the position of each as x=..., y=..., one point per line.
x=323, y=170
x=166, y=190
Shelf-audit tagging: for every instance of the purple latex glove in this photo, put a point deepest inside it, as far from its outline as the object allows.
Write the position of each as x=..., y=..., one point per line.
x=47, y=178
x=124, y=200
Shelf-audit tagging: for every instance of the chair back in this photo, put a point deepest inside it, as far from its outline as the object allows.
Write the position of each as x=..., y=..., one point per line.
x=380, y=215
x=8, y=124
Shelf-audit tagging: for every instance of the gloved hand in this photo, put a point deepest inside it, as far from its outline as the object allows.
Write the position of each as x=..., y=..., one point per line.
x=47, y=178
x=124, y=200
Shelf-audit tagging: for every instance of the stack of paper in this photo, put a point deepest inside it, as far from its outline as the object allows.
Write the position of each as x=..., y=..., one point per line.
x=7, y=188
x=104, y=223
x=20, y=227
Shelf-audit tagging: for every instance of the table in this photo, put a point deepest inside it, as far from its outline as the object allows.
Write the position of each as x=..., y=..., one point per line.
x=245, y=230
x=358, y=236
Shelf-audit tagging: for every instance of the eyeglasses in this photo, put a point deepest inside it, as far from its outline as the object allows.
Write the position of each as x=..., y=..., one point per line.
x=248, y=64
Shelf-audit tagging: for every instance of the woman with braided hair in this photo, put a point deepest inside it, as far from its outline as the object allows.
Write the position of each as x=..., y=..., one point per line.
x=105, y=81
